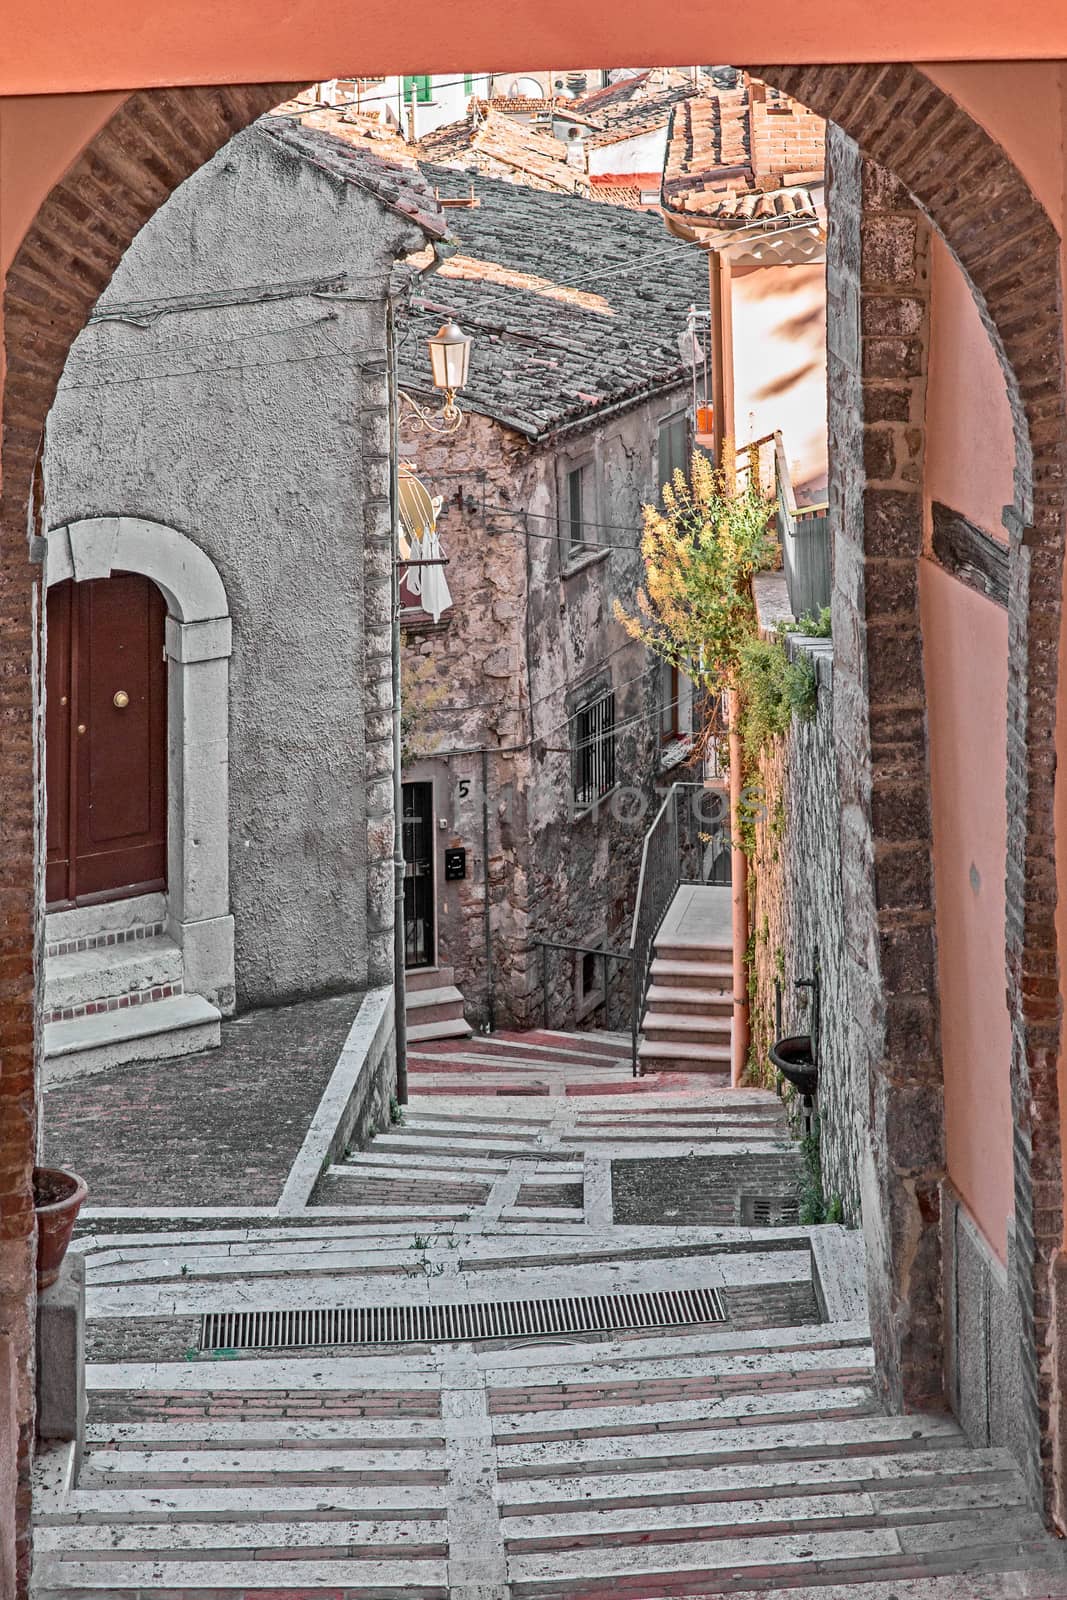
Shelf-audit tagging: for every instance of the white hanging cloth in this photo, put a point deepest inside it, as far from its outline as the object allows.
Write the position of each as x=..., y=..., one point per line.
x=436, y=596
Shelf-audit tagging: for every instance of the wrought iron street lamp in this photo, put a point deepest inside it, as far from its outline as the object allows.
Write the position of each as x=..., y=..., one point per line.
x=450, y=355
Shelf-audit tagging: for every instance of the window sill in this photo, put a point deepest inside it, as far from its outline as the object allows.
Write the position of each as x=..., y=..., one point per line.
x=592, y=806
x=588, y=558
x=418, y=621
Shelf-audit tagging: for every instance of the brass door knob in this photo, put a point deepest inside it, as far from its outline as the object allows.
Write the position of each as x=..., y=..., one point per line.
x=121, y=699
x=81, y=727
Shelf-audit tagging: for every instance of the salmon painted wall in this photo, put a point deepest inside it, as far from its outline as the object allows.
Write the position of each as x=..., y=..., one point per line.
x=120, y=44
x=778, y=316
x=970, y=453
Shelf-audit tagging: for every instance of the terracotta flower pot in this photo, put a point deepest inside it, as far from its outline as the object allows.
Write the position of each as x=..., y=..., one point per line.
x=57, y=1198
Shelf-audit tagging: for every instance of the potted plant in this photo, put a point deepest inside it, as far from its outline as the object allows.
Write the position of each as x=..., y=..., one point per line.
x=58, y=1196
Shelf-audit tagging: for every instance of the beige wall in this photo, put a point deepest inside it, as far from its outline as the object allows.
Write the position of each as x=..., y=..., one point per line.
x=779, y=365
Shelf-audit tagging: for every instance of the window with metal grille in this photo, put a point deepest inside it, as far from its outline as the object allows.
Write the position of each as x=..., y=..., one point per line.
x=580, y=512
x=673, y=447
x=594, y=750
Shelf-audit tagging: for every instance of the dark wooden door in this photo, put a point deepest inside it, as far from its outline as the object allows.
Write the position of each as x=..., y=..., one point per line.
x=106, y=740
x=417, y=827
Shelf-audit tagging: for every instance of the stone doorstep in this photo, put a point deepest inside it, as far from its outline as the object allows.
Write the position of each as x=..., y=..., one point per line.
x=435, y=1005
x=418, y=978
x=422, y=1032
x=132, y=917
x=186, y=1024
x=104, y=973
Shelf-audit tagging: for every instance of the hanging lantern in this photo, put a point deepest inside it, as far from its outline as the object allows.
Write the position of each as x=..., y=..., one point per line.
x=450, y=354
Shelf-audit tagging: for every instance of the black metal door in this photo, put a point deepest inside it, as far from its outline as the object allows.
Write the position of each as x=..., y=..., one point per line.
x=417, y=826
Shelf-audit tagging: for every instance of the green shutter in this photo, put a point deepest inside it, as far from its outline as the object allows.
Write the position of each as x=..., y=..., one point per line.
x=419, y=85
x=468, y=84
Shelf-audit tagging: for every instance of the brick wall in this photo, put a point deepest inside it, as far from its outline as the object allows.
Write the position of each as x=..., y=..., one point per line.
x=1009, y=251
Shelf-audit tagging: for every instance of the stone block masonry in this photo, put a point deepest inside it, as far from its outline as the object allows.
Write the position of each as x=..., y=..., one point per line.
x=798, y=918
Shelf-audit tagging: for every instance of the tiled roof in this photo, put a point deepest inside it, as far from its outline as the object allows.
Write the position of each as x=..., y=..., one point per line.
x=572, y=306
x=523, y=104
x=396, y=184
x=737, y=157
x=487, y=141
x=630, y=119
x=635, y=86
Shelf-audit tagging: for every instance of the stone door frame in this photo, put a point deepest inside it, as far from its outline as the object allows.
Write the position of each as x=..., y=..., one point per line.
x=198, y=643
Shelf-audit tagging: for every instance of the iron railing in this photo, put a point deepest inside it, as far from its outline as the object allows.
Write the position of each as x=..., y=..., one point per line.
x=803, y=531
x=598, y=953
x=673, y=853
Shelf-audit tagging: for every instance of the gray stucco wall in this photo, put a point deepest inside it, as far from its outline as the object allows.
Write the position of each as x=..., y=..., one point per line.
x=260, y=431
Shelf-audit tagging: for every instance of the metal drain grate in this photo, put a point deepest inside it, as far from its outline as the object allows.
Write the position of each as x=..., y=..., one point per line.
x=769, y=1211
x=444, y=1324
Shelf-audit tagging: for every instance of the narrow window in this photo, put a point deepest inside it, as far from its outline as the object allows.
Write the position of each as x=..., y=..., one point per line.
x=468, y=84
x=588, y=973
x=669, y=702
x=673, y=447
x=581, y=531
x=594, y=750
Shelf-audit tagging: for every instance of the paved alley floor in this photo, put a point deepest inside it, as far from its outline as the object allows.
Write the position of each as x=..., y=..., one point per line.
x=531, y=1344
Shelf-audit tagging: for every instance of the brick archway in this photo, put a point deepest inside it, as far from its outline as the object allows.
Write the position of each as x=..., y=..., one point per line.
x=1007, y=247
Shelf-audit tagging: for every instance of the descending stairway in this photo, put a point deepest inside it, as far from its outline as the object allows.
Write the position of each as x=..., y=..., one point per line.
x=433, y=1006
x=114, y=991
x=718, y=1437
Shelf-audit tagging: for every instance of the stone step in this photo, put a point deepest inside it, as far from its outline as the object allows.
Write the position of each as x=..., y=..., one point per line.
x=183, y=1025
x=703, y=1446
x=573, y=1421
x=741, y=1483
x=784, y=1513
x=304, y=1576
x=790, y=1557
x=658, y=1056
x=106, y=972
x=690, y=973
x=694, y=1002
x=444, y=1004
x=423, y=1032
x=368, y=1463
x=111, y=921
x=152, y=1536
x=680, y=947
x=419, y=978
x=667, y=1027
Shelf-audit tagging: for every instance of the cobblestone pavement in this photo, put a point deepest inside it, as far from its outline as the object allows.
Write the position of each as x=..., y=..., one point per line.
x=217, y=1129
x=571, y=1406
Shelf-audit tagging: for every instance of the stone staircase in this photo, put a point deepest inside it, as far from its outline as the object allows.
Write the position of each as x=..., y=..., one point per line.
x=434, y=1006
x=114, y=991
x=736, y=1449
x=687, y=1022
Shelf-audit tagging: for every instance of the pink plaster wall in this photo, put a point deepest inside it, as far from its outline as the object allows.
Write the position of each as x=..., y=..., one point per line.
x=970, y=445
x=779, y=365
x=965, y=645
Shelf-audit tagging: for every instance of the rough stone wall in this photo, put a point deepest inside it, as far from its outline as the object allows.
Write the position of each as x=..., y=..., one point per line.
x=530, y=637
x=261, y=431
x=798, y=919
x=878, y=289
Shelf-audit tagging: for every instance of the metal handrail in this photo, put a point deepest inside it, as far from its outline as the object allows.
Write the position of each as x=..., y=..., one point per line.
x=659, y=880
x=545, y=945
x=806, y=557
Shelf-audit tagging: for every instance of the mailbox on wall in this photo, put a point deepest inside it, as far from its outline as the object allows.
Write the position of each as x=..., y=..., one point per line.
x=455, y=865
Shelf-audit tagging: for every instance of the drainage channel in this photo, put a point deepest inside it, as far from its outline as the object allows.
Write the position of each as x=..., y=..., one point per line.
x=316, y=1327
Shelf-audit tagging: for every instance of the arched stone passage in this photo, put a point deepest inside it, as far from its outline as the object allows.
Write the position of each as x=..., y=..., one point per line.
x=198, y=642
x=1006, y=245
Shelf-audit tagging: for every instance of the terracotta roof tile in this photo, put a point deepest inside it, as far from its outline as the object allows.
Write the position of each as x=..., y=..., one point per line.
x=572, y=306
x=736, y=157
x=487, y=141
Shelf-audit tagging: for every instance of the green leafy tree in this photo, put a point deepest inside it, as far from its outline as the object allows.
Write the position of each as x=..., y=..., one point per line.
x=700, y=552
